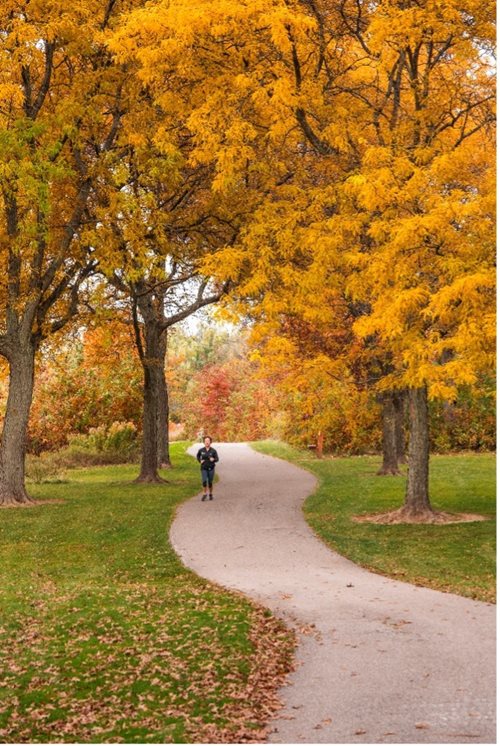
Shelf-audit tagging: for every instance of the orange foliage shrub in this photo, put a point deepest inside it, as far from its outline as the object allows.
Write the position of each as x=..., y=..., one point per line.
x=94, y=382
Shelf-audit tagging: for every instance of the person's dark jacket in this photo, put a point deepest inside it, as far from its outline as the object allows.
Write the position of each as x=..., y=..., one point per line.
x=204, y=455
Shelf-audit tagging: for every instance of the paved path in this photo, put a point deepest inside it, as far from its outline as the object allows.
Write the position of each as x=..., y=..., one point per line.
x=385, y=662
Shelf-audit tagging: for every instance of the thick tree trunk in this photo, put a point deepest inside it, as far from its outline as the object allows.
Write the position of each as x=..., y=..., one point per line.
x=152, y=363
x=417, y=502
x=149, y=456
x=399, y=403
x=163, y=412
x=15, y=426
x=389, y=434
x=164, y=460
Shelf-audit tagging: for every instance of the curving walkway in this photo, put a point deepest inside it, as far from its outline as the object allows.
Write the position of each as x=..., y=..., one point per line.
x=379, y=661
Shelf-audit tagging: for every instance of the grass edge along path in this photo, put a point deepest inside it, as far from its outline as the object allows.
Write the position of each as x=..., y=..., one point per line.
x=458, y=558
x=106, y=637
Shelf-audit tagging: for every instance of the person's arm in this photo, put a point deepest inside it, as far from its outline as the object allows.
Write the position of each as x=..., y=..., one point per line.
x=215, y=456
x=198, y=455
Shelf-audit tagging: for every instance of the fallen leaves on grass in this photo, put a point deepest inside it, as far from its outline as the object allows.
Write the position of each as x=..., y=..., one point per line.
x=129, y=664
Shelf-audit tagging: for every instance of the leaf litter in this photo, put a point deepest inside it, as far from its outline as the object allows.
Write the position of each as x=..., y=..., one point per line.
x=180, y=663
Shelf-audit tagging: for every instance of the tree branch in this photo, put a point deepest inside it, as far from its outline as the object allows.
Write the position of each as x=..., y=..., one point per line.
x=137, y=330
x=69, y=233
x=356, y=30
x=466, y=111
x=32, y=108
x=107, y=15
x=200, y=302
x=319, y=145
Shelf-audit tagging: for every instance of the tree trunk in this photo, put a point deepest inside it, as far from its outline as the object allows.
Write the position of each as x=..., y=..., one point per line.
x=389, y=434
x=15, y=426
x=399, y=403
x=417, y=502
x=153, y=368
x=163, y=412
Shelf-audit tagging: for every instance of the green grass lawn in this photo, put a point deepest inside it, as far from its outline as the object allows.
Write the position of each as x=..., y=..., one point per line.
x=456, y=557
x=106, y=637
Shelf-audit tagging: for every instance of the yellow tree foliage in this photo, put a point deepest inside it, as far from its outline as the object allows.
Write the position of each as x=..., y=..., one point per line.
x=422, y=197
x=155, y=221
x=359, y=135
x=365, y=131
x=62, y=102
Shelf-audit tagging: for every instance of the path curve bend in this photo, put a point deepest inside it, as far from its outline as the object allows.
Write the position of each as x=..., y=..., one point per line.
x=379, y=661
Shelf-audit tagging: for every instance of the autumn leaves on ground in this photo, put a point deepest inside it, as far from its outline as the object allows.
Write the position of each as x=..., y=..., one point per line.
x=104, y=636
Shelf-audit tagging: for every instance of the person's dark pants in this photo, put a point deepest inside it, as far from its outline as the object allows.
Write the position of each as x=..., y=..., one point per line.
x=207, y=477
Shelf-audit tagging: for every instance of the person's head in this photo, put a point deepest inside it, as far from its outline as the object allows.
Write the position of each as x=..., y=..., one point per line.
x=208, y=441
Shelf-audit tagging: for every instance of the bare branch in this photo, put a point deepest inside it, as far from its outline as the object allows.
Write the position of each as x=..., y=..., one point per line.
x=113, y=131
x=355, y=27
x=40, y=253
x=200, y=302
x=74, y=298
x=464, y=112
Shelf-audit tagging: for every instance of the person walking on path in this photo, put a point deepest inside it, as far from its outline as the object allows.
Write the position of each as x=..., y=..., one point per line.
x=208, y=457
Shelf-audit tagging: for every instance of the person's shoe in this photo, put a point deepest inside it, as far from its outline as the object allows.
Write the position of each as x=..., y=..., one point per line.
x=211, y=497
x=204, y=497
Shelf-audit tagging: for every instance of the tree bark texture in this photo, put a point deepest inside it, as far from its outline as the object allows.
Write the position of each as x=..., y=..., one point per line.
x=400, y=403
x=15, y=426
x=389, y=434
x=163, y=411
x=417, y=501
x=152, y=355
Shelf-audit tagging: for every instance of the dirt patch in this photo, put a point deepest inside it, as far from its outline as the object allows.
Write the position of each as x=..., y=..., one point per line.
x=435, y=517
